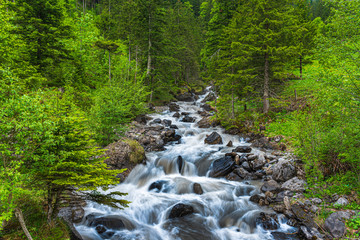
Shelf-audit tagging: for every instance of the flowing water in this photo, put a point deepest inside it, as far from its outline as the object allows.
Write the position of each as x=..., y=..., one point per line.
x=223, y=211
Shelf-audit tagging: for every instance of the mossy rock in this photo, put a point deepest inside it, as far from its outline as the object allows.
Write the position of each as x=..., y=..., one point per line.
x=137, y=152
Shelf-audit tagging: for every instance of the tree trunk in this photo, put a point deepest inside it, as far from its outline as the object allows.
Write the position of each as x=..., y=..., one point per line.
x=232, y=94
x=136, y=60
x=300, y=67
x=20, y=217
x=109, y=67
x=266, y=104
x=129, y=68
x=149, y=46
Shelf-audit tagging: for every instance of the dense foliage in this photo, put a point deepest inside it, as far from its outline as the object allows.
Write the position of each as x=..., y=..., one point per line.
x=74, y=73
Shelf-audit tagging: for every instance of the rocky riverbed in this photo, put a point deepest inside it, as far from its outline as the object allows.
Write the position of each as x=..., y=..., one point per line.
x=188, y=178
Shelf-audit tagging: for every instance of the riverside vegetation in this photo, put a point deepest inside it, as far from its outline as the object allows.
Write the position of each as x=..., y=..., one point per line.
x=75, y=73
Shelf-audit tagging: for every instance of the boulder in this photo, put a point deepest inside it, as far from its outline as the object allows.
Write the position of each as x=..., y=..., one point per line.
x=303, y=216
x=233, y=177
x=109, y=222
x=180, y=210
x=335, y=223
x=264, y=143
x=125, y=153
x=271, y=186
x=173, y=107
x=213, y=138
x=176, y=115
x=256, y=198
x=222, y=167
x=242, y=149
x=309, y=233
x=173, y=126
x=295, y=185
x=267, y=221
x=342, y=201
x=246, y=166
x=197, y=189
x=167, y=122
x=230, y=144
x=188, y=119
x=185, y=113
x=284, y=236
x=259, y=162
x=241, y=172
x=283, y=171
x=157, y=121
x=185, y=97
x=159, y=186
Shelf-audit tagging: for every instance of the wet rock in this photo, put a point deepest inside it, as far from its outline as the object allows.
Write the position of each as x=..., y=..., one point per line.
x=176, y=115
x=210, y=97
x=267, y=221
x=167, y=122
x=197, y=189
x=283, y=171
x=173, y=107
x=185, y=97
x=159, y=186
x=188, y=119
x=109, y=222
x=256, y=198
x=259, y=162
x=222, y=167
x=246, y=166
x=229, y=144
x=303, y=216
x=174, y=127
x=341, y=201
x=213, y=138
x=141, y=119
x=180, y=162
x=125, y=153
x=157, y=121
x=233, y=177
x=259, y=174
x=284, y=236
x=185, y=113
x=241, y=172
x=231, y=154
x=206, y=122
x=271, y=186
x=100, y=229
x=207, y=107
x=309, y=233
x=77, y=214
x=295, y=185
x=242, y=149
x=244, y=190
x=180, y=210
x=335, y=223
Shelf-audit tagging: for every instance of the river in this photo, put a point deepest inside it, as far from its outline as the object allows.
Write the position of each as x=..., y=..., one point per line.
x=221, y=208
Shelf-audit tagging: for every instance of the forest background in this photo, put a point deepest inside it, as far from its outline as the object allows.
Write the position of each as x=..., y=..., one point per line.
x=74, y=73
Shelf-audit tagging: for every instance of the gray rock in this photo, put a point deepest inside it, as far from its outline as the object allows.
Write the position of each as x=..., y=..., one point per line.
x=335, y=223
x=173, y=107
x=259, y=162
x=213, y=138
x=241, y=172
x=309, y=233
x=180, y=210
x=242, y=149
x=197, y=189
x=271, y=186
x=222, y=167
x=342, y=201
x=295, y=185
x=316, y=200
x=246, y=166
x=283, y=171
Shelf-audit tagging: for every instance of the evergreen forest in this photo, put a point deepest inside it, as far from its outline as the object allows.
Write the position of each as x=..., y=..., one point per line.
x=74, y=74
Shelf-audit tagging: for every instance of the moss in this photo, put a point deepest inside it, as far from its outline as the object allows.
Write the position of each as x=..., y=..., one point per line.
x=137, y=153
